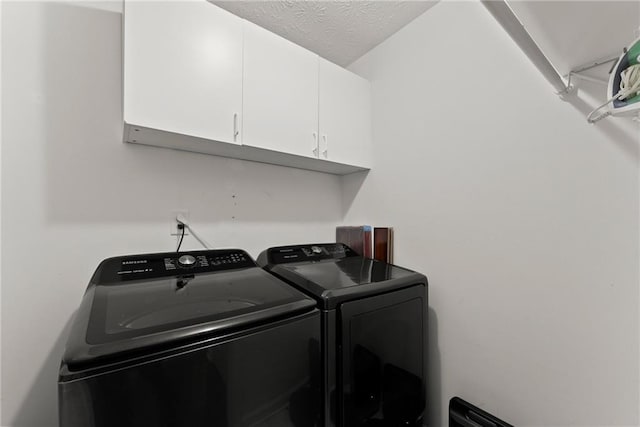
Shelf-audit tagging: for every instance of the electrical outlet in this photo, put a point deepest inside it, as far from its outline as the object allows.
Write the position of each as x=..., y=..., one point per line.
x=178, y=215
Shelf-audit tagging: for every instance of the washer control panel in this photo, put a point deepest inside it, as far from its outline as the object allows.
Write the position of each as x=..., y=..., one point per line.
x=187, y=261
x=150, y=266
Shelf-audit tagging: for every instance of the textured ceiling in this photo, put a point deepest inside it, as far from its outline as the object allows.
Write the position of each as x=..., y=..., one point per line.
x=571, y=33
x=340, y=31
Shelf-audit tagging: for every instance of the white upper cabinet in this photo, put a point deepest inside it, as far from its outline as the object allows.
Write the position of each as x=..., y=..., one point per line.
x=183, y=69
x=280, y=94
x=198, y=78
x=345, y=116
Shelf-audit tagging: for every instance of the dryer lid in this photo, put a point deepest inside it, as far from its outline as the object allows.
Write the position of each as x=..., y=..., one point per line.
x=333, y=273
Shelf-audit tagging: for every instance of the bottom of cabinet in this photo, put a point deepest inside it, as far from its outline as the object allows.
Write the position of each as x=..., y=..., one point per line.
x=160, y=138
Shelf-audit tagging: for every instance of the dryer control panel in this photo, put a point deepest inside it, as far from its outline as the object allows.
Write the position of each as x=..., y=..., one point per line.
x=149, y=266
x=299, y=253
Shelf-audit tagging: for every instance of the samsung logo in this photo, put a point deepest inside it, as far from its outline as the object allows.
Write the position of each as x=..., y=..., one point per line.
x=142, y=261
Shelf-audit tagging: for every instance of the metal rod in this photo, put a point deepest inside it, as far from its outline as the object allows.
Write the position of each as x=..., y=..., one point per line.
x=575, y=74
x=594, y=65
x=512, y=25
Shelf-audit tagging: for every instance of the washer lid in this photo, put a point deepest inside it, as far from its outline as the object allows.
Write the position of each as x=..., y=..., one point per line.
x=333, y=273
x=137, y=302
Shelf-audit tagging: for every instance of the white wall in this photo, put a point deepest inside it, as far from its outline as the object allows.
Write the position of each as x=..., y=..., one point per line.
x=524, y=218
x=0, y=222
x=73, y=193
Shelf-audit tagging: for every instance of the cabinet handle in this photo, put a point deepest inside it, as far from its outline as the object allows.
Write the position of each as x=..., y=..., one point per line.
x=316, y=149
x=235, y=127
x=325, y=153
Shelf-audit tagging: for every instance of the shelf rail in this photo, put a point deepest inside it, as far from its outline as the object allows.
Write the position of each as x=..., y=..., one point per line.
x=577, y=72
x=503, y=13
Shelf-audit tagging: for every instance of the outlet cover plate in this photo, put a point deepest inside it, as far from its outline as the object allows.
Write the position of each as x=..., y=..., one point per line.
x=182, y=215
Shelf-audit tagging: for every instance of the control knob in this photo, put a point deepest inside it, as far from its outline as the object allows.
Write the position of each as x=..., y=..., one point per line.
x=316, y=249
x=187, y=260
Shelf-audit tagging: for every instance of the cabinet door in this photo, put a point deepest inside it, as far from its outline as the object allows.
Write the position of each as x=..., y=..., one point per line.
x=183, y=68
x=345, y=116
x=280, y=94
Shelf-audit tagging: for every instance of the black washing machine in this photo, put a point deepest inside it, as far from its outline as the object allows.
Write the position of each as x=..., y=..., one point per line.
x=374, y=332
x=204, y=338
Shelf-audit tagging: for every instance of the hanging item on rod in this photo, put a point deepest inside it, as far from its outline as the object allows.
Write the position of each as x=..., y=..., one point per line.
x=623, y=91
